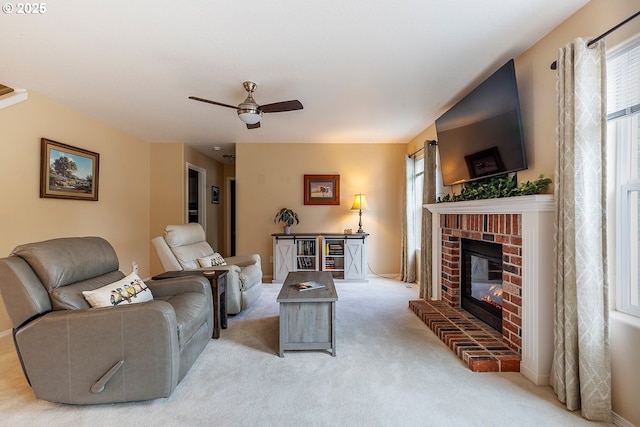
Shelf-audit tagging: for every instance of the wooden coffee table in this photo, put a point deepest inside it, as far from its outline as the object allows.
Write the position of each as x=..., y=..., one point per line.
x=307, y=318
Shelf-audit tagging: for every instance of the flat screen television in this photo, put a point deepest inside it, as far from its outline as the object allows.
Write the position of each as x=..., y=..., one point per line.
x=481, y=135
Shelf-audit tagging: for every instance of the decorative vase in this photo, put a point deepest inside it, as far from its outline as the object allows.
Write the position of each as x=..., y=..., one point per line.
x=287, y=229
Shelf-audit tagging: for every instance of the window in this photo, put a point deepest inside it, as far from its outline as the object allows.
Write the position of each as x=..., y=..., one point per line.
x=623, y=108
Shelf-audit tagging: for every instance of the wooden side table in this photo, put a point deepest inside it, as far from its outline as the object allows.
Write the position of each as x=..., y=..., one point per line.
x=218, y=281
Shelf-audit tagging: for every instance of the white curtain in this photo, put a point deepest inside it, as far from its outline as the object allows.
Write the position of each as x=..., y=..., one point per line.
x=581, y=374
x=408, y=266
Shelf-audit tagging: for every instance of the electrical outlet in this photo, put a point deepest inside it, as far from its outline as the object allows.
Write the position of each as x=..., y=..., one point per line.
x=134, y=267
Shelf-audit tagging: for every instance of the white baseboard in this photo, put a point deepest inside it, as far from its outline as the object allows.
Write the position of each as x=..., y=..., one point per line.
x=5, y=333
x=619, y=421
x=392, y=276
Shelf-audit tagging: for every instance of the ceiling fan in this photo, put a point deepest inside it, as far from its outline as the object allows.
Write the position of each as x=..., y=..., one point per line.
x=250, y=112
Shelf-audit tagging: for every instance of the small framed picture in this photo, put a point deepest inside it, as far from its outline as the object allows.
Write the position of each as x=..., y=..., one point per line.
x=322, y=189
x=68, y=172
x=215, y=195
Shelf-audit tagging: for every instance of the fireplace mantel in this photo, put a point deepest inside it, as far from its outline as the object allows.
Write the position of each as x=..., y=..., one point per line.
x=536, y=213
x=537, y=203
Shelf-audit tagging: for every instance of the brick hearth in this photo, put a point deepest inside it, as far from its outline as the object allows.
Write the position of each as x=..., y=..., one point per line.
x=478, y=345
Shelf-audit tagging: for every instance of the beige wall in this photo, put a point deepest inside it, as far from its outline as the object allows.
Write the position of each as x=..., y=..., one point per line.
x=536, y=81
x=120, y=215
x=270, y=177
x=418, y=142
x=135, y=201
x=167, y=191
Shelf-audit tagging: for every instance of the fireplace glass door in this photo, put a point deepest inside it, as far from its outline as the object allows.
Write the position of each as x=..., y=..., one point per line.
x=482, y=281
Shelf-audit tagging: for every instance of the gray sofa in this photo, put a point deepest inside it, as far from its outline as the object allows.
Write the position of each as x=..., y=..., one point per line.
x=73, y=353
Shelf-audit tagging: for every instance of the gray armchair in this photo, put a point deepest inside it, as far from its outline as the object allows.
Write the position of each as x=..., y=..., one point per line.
x=179, y=248
x=73, y=353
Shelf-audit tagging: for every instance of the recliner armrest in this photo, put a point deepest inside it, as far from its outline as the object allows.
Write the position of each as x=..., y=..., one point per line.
x=231, y=268
x=64, y=353
x=243, y=260
x=179, y=285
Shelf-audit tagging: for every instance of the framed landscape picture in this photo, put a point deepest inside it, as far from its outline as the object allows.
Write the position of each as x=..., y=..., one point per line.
x=322, y=189
x=68, y=172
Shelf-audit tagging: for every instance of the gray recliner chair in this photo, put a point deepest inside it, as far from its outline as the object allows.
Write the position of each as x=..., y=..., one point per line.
x=179, y=248
x=73, y=353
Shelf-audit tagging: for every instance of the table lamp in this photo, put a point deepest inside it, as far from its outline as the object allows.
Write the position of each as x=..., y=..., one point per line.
x=359, y=203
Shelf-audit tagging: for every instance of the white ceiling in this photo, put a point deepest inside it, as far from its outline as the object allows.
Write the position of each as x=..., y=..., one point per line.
x=366, y=71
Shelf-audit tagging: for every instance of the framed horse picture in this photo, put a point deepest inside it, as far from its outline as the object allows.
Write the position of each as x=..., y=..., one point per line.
x=322, y=189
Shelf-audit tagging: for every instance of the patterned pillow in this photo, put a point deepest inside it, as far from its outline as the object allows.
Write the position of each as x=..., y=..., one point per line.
x=129, y=290
x=212, y=260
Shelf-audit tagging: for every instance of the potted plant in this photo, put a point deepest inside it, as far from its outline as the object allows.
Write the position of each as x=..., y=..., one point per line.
x=287, y=217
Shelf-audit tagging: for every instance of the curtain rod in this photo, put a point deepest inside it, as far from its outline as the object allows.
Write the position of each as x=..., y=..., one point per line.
x=554, y=64
x=431, y=142
x=416, y=152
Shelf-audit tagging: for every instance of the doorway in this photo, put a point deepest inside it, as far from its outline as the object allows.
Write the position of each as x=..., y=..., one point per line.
x=196, y=195
x=231, y=214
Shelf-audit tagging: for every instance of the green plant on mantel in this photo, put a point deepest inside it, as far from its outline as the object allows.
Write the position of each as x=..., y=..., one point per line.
x=502, y=186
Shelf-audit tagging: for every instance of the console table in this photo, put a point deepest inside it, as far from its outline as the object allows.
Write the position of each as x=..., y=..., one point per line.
x=342, y=255
x=218, y=281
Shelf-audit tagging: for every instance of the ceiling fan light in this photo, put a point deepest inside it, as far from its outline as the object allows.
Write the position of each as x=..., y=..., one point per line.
x=250, y=116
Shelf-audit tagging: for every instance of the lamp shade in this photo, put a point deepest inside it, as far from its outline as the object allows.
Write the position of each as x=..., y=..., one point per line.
x=359, y=202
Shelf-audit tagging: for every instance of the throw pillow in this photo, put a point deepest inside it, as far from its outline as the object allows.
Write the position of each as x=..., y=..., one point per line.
x=212, y=261
x=129, y=290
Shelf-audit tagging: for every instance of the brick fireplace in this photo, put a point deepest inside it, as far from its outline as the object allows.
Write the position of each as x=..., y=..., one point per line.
x=491, y=227
x=524, y=227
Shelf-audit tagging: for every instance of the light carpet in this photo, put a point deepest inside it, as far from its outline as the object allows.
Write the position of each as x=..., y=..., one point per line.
x=390, y=370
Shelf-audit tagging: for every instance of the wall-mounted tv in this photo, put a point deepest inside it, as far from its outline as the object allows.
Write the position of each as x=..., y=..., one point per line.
x=481, y=135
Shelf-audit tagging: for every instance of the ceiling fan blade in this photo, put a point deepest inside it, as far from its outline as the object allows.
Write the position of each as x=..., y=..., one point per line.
x=195, y=98
x=253, y=126
x=278, y=107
